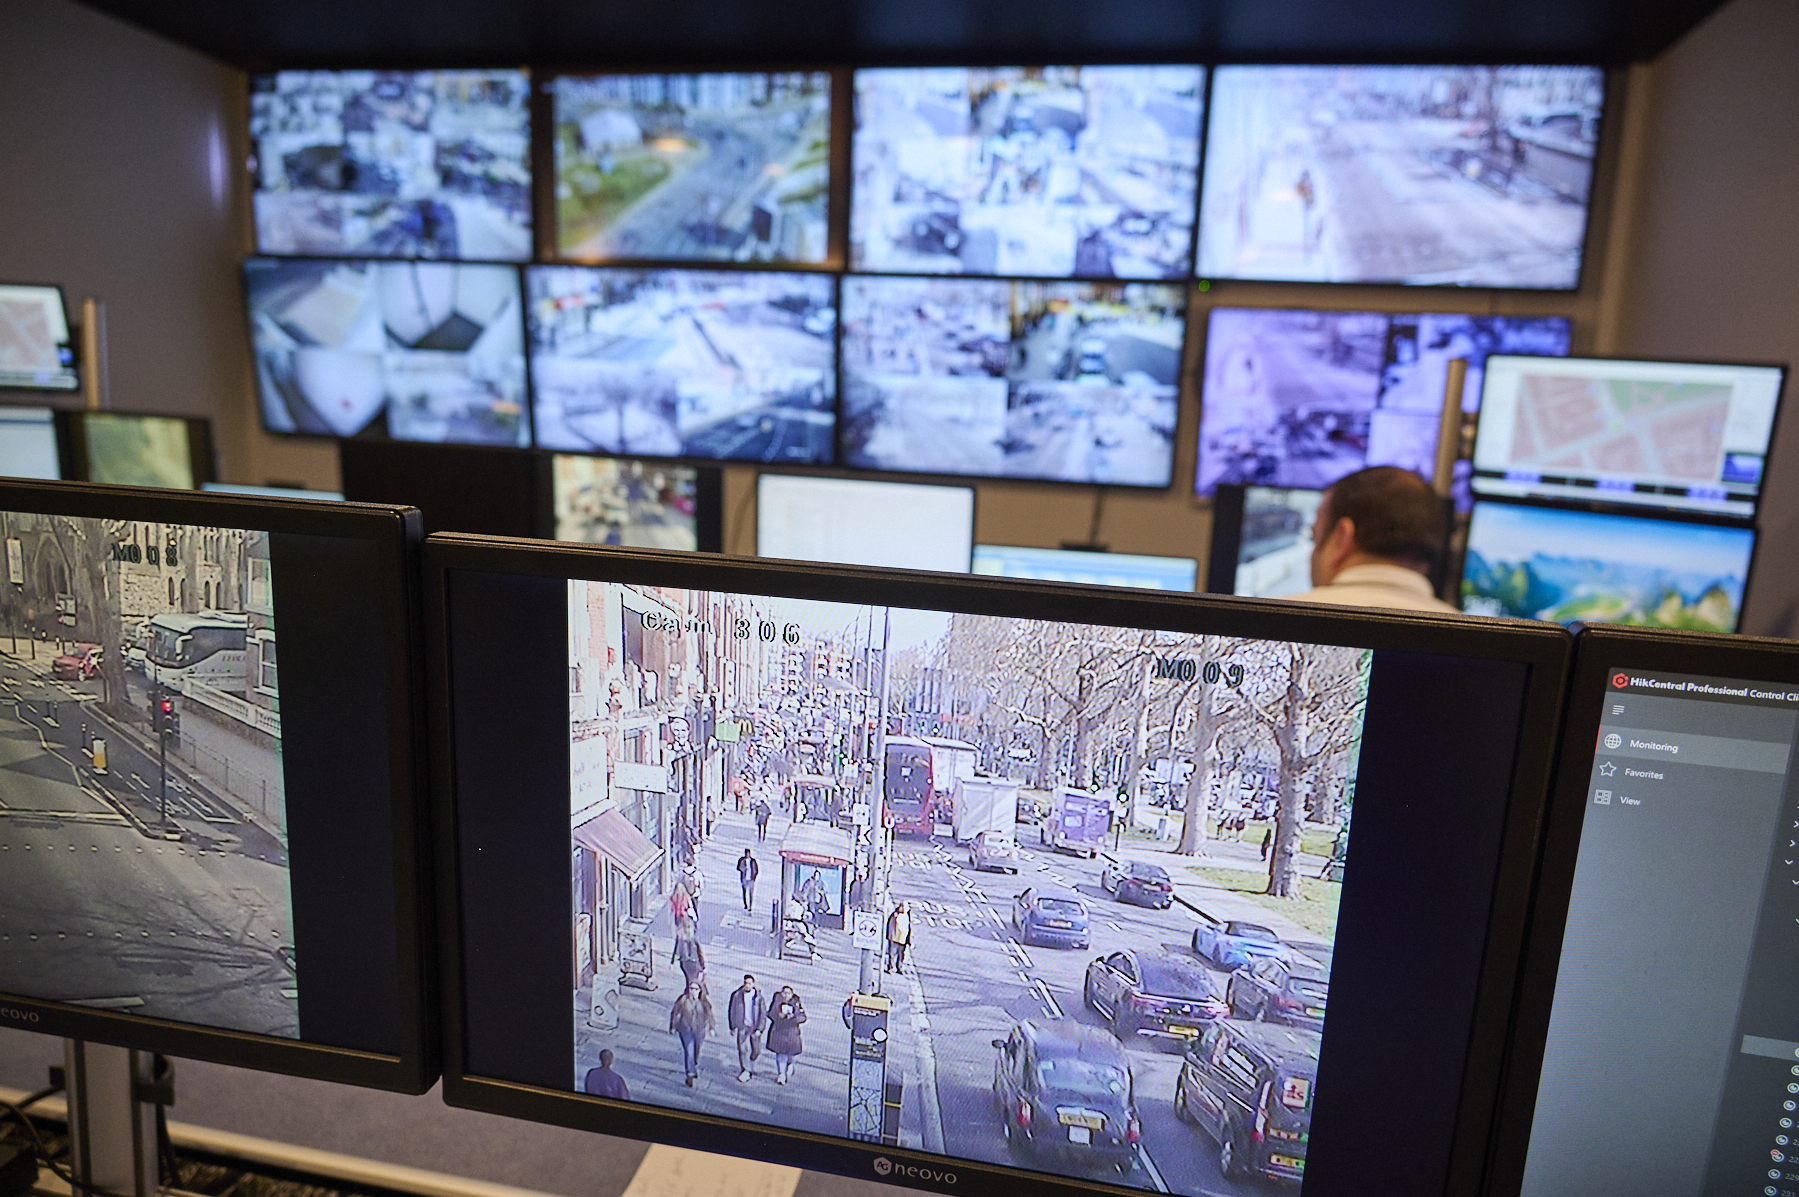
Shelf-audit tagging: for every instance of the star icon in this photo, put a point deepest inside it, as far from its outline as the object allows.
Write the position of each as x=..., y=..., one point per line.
x=1607, y=769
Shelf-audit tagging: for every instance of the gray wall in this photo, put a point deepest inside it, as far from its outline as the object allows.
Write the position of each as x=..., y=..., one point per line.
x=1714, y=262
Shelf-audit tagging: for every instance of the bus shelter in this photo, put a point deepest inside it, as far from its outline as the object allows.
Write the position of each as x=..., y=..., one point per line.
x=816, y=867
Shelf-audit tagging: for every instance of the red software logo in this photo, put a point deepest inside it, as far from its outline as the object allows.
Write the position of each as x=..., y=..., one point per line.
x=1620, y=681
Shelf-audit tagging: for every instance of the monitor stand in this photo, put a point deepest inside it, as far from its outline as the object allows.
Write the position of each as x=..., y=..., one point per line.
x=112, y=1127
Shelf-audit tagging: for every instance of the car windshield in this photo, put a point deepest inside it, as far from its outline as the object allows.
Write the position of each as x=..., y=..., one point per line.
x=1251, y=931
x=1170, y=977
x=1315, y=991
x=1060, y=906
x=1149, y=872
x=1071, y=1074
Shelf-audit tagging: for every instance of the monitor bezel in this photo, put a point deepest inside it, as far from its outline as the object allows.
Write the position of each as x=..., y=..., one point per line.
x=1598, y=503
x=1544, y=648
x=974, y=509
x=1599, y=649
x=1611, y=86
x=71, y=438
x=396, y=533
x=74, y=331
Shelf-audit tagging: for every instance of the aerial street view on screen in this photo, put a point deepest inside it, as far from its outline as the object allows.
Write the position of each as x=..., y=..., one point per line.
x=1604, y=568
x=438, y=347
x=1082, y=880
x=142, y=812
x=1089, y=171
x=1301, y=398
x=392, y=164
x=1624, y=426
x=715, y=364
x=600, y=500
x=1072, y=382
x=1470, y=176
x=721, y=166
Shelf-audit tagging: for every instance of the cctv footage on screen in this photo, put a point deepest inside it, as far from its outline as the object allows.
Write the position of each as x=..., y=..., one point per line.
x=1055, y=895
x=143, y=826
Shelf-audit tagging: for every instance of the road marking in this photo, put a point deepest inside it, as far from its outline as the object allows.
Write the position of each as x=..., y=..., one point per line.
x=1149, y=1166
x=1049, y=999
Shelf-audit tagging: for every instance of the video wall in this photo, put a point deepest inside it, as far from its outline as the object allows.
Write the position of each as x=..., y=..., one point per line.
x=980, y=272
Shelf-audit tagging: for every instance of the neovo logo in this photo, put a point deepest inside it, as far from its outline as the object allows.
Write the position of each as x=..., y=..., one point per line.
x=21, y=1015
x=886, y=1167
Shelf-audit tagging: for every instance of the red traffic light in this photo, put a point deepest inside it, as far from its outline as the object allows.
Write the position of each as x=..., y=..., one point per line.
x=168, y=705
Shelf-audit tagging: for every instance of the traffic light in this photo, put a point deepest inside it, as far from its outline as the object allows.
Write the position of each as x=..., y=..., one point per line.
x=166, y=721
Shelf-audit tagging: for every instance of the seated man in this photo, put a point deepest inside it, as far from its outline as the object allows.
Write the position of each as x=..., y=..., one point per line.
x=1377, y=536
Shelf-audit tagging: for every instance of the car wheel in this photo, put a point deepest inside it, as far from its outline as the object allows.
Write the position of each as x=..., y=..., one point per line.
x=1262, y=1012
x=1228, y=1162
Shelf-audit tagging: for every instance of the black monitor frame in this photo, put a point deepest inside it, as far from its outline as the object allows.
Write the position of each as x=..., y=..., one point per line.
x=396, y=534
x=71, y=442
x=1543, y=648
x=1598, y=650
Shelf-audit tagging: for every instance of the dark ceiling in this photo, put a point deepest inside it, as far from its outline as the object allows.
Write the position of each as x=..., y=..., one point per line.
x=692, y=33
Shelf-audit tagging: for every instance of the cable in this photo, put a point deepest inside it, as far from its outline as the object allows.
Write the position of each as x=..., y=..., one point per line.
x=1099, y=506
x=17, y=1112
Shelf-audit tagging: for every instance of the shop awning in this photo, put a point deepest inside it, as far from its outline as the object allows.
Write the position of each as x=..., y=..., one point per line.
x=817, y=844
x=612, y=837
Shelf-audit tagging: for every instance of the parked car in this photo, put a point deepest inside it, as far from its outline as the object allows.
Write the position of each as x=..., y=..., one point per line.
x=1065, y=1092
x=80, y=663
x=1293, y=992
x=993, y=852
x=1052, y=916
x=1138, y=883
x=1155, y=995
x=1249, y=1086
x=1232, y=944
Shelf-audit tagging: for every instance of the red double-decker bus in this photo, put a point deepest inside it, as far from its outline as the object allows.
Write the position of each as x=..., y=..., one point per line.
x=906, y=786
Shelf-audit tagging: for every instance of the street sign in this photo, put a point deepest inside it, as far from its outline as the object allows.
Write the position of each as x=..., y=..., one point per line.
x=868, y=1065
x=867, y=936
x=15, y=562
x=859, y=814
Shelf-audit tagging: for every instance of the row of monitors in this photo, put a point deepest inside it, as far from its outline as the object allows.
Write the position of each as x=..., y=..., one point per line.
x=1066, y=382
x=607, y=726
x=1524, y=560
x=121, y=448
x=1445, y=175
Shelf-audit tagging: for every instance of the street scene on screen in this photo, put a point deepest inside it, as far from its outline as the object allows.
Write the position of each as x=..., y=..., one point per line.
x=1047, y=894
x=393, y=164
x=1073, y=382
x=437, y=348
x=1469, y=176
x=1089, y=171
x=1301, y=398
x=718, y=166
x=695, y=363
x=601, y=500
x=143, y=854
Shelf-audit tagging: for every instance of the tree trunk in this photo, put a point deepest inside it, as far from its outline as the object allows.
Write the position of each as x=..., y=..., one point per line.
x=1283, y=861
x=1199, y=782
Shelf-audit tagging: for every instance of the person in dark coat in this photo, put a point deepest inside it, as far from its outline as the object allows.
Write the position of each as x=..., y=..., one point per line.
x=747, y=872
x=691, y=957
x=691, y=1020
x=745, y=1015
x=603, y=1082
x=762, y=813
x=785, y=1014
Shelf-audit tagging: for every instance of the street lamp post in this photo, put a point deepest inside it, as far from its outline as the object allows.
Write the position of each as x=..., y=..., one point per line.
x=875, y=890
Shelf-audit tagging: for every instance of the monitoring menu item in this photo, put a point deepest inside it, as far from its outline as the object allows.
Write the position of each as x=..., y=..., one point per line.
x=1672, y=1059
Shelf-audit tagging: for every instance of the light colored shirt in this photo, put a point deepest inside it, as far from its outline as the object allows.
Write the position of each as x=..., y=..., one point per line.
x=1377, y=586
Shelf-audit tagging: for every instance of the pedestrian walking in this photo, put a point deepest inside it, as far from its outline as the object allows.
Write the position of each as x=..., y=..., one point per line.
x=692, y=881
x=785, y=1015
x=691, y=957
x=899, y=937
x=680, y=905
x=745, y=1014
x=603, y=1082
x=1267, y=842
x=747, y=871
x=691, y=1020
x=762, y=813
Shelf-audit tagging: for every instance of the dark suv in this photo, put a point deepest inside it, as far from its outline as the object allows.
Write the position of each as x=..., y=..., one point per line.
x=1290, y=991
x=1138, y=883
x=1065, y=1093
x=1249, y=1086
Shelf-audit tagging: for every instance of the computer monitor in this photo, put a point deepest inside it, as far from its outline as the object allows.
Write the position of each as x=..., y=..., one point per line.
x=36, y=351
x=1569, y=565
x=1684, y=436
x=392, y=164
x=457, y=488
x=213, y=850
x=419, y=351
x=1065, y=382
x=617, y=723
x=1060, y=172
x=853, y=521
x=710, y=364
x=134, y=449
x=272, y=492
x=28, y=443
x=1300, y=398
x=1655, y=1042
x=726, y=167
x=640, y=504
x=1262, y=540
x=1472, y=176
x=1088, y=567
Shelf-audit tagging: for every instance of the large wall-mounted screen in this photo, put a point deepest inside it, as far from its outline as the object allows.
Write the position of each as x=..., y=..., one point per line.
x=1680, y=435
x=1301, y=398
x=35, y=348
x=392, y=164
x=732, y=167
x=436, y=347
x=1052, y=171
x=602, y=500
x=722, y=365
x=1067, y=382
x=1563, y=565
x=1463, y=176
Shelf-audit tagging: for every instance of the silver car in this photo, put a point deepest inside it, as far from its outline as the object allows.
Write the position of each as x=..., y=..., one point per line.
x=993, y=852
